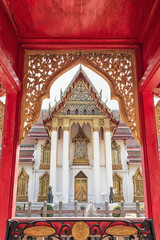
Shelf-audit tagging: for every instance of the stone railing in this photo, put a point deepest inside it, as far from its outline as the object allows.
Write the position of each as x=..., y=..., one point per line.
x=80, y=211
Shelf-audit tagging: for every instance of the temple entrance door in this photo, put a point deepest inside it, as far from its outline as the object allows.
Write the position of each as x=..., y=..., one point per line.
x=81, y=187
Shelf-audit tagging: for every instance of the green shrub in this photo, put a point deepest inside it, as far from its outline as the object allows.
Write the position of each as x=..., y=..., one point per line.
x=116, y=214
x=49, y=207
x=19, y=207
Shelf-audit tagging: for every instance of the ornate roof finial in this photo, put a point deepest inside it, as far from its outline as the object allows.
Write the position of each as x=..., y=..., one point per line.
x=80, y=68
x=61, y=94
x=100, y=94
x=49, y=109
x=106, y=100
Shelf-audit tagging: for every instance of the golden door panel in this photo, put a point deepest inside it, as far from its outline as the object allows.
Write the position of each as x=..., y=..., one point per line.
x=81, y=189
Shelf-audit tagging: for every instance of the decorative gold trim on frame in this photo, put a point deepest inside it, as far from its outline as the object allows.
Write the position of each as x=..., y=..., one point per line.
x=157, y=113
x=80, y=231
x=43, y=67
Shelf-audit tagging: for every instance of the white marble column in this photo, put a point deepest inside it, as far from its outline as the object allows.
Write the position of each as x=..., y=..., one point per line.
x=65, y=167
x=96, y=159
x=53, y=159
x=108, y=156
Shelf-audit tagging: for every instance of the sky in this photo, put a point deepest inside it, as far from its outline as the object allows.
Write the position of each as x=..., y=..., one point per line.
x=64, y=80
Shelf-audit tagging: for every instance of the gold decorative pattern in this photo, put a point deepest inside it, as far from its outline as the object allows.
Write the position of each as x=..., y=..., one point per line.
x=80, y=231
x=118, y=187
x=43, y=187
x=157, y=113
x=138, y=186
x=121, y=231
x=42, y=67
x=22, y=186
x=39, y=231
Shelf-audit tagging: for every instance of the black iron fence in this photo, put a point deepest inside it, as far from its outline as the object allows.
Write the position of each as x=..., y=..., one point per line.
x=79, y=229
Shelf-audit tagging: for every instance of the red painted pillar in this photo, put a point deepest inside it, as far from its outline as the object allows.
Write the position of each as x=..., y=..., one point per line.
x=150, y=160
x=9, y=160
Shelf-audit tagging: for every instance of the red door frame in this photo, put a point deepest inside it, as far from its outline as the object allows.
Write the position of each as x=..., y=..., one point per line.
x=149, y=149
x=9, y=152
x=9, y=163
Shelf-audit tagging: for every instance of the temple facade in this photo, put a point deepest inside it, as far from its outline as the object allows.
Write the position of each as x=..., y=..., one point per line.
x=81, y=149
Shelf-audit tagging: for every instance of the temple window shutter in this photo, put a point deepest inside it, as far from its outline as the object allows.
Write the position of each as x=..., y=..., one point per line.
x=22, y=186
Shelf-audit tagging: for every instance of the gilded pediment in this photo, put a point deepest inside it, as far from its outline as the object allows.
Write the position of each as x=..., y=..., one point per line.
x=81, y=94
x=81, y=102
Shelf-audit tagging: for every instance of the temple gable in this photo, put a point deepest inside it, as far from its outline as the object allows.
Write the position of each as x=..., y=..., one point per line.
x=81, y=94
x=81, y=102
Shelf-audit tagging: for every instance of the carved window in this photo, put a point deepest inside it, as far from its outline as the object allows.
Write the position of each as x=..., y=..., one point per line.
x=93, y=112
x=68, y=112
x=45, y=155
x=116, y=160
x=138, y=186
x=76, y=112
x=117, y=187
x=22, y=186
x=85, y=111
x=43, y=187
x=102, y=133
x=59, y=133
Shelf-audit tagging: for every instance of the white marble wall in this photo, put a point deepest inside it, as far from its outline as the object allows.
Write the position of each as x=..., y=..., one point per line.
x=34, y=172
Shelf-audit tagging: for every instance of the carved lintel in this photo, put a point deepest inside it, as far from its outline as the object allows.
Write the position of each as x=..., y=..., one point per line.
x=41, y=68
